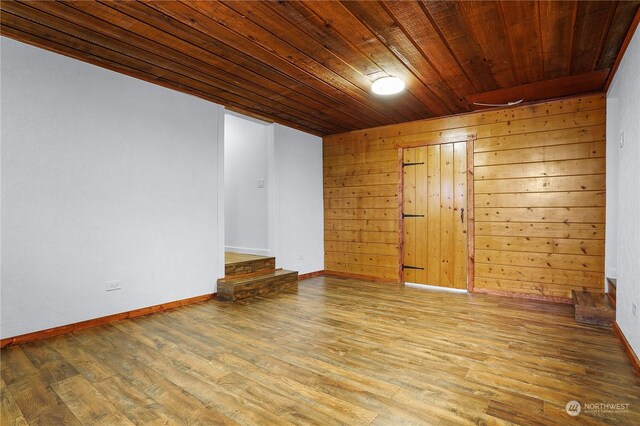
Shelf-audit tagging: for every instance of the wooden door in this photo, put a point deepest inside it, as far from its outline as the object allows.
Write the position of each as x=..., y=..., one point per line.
x=435, y=215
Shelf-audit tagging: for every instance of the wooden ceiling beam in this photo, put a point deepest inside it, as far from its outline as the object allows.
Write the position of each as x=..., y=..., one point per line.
x=542, y=90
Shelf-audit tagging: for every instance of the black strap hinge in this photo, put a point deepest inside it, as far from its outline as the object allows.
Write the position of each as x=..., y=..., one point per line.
x=412, y=215
x=411, y=164
x=411, y=267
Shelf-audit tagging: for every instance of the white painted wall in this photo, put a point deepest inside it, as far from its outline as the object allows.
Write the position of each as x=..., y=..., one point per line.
x=284, y=219
x=104, y=177
x=245, y=162
x=298, y=207
x=611, y=239
x=623, y=98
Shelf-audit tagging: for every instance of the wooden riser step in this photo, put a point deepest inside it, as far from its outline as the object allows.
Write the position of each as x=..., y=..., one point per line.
x=593, y=309
x=250, y=266
x=232, y=289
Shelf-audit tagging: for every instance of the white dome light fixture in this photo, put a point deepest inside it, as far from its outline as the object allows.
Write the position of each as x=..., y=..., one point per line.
x=387, y=86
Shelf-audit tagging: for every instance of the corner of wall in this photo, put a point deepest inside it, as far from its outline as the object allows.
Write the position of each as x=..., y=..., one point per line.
x=220, y=190
x=623, y=102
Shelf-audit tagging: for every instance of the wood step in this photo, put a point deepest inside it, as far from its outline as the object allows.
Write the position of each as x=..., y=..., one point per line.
x=613, y=288
x=593, y=308
x=250, y=266
x=238, y=288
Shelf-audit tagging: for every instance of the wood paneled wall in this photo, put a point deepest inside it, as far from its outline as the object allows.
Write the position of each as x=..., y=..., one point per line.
x=539, y=183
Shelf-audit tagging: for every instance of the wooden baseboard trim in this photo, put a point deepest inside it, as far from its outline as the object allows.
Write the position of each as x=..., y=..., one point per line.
x=63, y=329
x=310, y=275
x=360, y=277
x=538, y=297
x=633, y=357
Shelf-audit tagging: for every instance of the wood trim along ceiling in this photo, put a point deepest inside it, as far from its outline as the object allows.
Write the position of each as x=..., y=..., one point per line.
x=310, y=64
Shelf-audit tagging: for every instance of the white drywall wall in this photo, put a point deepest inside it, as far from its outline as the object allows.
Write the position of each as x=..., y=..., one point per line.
x=298, y=208
x=611, y=239
x=246, y=144
x=623, y=98
x=104, y=178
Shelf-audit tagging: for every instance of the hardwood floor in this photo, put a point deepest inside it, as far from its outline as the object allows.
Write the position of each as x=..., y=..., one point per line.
x=335, y=351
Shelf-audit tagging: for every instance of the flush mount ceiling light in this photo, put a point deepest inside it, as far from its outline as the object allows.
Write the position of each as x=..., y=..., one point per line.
x=387, y=86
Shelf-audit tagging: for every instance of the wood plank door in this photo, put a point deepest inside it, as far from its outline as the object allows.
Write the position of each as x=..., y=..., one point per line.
x=435, y=215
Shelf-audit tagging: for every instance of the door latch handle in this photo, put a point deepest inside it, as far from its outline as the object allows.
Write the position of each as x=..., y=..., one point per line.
x=462, y=215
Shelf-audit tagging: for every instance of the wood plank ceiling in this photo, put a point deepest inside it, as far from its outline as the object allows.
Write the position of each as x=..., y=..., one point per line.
x=310, y=64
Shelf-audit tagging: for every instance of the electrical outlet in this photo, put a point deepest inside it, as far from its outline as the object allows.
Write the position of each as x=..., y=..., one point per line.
x=260, y=183
x=634, y=309
x=621, y=139
x=114, y=285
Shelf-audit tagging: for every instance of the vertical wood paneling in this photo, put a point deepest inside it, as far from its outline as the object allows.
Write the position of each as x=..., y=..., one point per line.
x=538, y=174
x=471, y=242
x=446, y=215
x=409, y=207
x=460, y=209
x=422, y=237
x=434, y=186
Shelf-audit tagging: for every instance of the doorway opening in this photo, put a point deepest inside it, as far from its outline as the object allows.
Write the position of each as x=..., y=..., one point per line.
x=436, y=216
x=248, y=186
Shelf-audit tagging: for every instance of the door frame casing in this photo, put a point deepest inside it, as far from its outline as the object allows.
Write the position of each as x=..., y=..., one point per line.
x=470, y=140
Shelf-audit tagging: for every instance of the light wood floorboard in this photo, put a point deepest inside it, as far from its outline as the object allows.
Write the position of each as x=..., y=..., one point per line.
x=336, y=351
